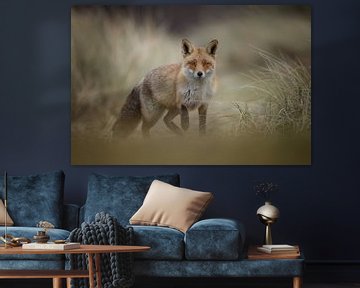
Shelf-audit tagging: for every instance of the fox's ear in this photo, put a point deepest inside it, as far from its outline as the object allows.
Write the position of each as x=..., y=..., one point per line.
x=186, y=47
x=211, y=47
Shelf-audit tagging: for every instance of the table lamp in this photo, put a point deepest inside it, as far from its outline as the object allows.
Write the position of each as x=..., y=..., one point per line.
x=8, y=239
x=5, y=204
x=268, y=214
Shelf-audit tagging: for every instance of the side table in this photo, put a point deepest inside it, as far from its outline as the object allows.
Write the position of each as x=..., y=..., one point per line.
x=288, y=259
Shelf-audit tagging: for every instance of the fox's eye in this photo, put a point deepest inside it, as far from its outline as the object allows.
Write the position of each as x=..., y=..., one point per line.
x=206, y=63
x=192, y=63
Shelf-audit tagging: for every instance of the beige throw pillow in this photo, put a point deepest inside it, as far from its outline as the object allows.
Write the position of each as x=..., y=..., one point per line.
x=170, y=206
x=9, y=221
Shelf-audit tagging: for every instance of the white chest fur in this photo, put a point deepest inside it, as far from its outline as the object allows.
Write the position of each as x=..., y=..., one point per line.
x=195, y=93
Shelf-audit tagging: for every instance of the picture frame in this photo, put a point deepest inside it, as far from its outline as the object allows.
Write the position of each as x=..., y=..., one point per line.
x=259, y=110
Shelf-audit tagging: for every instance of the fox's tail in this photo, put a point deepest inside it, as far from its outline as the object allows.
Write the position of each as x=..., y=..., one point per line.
x=130, y=115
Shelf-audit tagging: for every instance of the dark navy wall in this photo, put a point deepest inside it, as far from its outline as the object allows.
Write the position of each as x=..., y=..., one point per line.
x=318, y=203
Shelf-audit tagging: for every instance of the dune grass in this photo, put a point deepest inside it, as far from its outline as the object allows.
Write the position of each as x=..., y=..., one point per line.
x=285, y=87
x=109, y=55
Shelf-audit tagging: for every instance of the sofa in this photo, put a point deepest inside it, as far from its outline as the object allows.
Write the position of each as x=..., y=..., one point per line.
x=32, y=199
x=208, y=248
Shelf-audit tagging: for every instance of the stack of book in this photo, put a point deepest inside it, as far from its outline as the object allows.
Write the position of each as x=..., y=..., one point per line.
x=282, y=251
x=279, y=249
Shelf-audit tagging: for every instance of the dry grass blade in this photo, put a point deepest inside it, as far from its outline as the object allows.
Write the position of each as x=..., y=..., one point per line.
x=286, y=86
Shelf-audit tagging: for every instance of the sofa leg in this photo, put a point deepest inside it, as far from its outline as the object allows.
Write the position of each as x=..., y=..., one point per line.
x=57, y=283
x=297, y=282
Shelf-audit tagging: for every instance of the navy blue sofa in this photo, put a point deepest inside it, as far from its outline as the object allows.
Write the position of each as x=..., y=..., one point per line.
x=210, y=248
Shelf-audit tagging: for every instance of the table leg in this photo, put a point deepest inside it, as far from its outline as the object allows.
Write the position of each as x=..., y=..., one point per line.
x=91, y=270
x=68, y=282
x=98, y=270
x=297, y=282
x=57, y=283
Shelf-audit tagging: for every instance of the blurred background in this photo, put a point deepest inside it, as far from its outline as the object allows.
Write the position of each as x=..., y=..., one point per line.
x=262, y=105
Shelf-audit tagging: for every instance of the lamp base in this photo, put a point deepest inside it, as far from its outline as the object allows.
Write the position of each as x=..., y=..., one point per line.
x=268, y=237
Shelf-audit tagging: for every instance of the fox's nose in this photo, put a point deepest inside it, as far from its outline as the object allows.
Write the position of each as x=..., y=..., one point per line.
x=199, y=73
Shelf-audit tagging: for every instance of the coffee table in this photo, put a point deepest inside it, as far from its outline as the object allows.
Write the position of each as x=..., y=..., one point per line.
x=94, y=267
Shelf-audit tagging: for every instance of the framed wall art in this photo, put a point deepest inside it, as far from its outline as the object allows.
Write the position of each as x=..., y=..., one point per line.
x=191, y=85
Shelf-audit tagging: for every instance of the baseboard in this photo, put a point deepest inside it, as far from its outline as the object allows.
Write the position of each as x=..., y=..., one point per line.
x=332, y=271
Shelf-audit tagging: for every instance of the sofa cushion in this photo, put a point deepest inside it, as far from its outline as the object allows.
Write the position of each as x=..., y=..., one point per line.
x=169, y=206
x=214, y=239
x=29, y=232
x=120, y=196
x=35, y=198
x=165, y=243
x=9, y=221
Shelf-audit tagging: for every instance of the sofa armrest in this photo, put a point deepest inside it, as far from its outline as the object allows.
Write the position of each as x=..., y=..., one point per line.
x=215, y=239
x=71, y=216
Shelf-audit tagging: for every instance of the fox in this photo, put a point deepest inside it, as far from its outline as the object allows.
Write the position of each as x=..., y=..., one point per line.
x=175, y=89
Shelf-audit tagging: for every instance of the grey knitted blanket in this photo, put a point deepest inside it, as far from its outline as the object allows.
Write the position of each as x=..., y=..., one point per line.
x=116, y=268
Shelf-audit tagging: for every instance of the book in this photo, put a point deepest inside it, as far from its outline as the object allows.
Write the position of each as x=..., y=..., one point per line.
x=277, y=249
x=255, y=254
x=51, y=246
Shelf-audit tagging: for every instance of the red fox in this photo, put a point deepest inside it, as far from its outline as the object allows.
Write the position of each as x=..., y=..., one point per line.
x=175, y=88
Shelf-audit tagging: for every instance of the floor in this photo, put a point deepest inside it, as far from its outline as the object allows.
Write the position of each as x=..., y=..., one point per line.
x=47, y=284
x=343, y=285
x=240, y=283
x=247, y=284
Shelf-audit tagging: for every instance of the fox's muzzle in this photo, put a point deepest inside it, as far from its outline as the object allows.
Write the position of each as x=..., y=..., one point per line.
x=199, y=74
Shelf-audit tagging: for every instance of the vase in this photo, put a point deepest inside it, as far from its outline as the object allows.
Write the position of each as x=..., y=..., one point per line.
x=268, y=214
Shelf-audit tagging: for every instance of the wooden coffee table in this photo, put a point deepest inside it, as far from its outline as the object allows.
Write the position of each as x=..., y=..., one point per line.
x=92, y=251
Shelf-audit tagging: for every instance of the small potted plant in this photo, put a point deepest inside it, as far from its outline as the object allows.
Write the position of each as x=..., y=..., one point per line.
x=265, y=189
x=41, y=236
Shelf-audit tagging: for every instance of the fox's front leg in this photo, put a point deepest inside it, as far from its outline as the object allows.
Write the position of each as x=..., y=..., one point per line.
x=184, y=115
x=170, y=115
x=202, y=119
